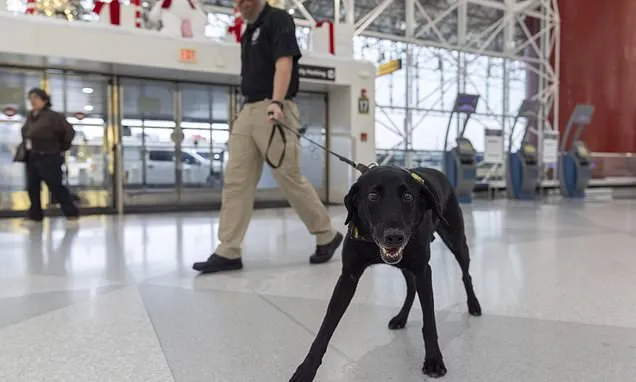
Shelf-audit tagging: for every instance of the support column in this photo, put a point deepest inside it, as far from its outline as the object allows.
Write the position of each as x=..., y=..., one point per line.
x=408, y=112
x=350, y=17
x=509, y=49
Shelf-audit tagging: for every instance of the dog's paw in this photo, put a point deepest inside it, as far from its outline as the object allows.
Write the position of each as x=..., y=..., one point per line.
x=304, y=373
x=397, y=322
x=474, y=308
x=434, y=367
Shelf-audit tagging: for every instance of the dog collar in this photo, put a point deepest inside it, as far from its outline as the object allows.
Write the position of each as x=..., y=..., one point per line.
x=354, y=234
x=416, y=176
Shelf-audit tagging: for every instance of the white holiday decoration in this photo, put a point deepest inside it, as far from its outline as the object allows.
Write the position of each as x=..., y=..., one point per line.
x=183, y=18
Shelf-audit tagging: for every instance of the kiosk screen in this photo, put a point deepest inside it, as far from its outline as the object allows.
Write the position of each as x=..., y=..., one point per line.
x=529, y=153
x=465, y=147
x=582, y=151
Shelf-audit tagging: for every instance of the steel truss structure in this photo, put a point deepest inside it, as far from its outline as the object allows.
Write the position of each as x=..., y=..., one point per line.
x=501, y=47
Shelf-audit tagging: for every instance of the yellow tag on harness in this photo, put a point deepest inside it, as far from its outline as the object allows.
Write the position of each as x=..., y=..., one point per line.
x=417, y=178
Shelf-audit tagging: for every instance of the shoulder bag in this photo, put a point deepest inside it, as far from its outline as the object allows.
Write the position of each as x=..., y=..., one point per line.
x=20, y=153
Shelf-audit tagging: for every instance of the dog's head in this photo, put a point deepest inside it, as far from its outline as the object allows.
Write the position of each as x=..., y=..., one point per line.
x=388, y=204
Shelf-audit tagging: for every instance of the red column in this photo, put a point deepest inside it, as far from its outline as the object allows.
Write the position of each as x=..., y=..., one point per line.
x=598, y=66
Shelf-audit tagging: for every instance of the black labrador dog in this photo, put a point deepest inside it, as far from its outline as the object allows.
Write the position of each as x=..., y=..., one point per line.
x=392, y=215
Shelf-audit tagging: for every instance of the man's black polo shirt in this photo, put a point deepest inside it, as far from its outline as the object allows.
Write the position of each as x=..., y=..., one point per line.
x=271, y=36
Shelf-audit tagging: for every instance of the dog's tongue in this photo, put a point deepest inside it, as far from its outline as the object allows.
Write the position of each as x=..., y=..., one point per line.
x=392, y=251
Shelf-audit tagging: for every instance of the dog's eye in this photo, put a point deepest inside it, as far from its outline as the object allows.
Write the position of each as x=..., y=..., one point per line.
x=373, y=196
x=408, y=197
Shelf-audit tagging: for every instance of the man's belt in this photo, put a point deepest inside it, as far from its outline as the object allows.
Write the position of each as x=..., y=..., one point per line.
x=259, y=99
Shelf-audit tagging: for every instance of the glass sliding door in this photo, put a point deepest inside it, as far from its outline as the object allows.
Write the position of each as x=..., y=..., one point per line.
x=149, y=133
x=204, y=124
x=14, y=84
x=85, y=100
x=313, y=121
x=175, y=143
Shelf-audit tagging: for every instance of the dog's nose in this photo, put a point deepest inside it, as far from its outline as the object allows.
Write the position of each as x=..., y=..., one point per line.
x=393, y=237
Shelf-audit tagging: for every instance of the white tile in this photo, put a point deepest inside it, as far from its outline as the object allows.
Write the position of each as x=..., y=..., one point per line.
x=107, y=338
x=543, y=272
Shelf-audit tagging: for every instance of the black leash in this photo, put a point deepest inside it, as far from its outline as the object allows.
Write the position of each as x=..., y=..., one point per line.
x=276, y=127
x=279, y=126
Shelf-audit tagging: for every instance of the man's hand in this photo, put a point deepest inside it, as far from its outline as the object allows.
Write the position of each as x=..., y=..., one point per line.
x=274, y=112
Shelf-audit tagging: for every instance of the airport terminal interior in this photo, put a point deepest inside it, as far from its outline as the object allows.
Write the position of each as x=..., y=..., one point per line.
x=524, y=105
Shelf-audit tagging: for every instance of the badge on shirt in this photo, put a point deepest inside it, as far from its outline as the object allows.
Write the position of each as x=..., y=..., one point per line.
x=257, y=32
x=27, y=144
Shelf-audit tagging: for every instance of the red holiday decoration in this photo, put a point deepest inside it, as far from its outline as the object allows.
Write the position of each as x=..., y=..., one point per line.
x=30, y=9
x=114, y=7
x=236, y=28
x=332, y=42
x=167, y=4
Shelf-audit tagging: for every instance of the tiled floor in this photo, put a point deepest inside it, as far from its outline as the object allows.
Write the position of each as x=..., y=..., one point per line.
x=117, y=301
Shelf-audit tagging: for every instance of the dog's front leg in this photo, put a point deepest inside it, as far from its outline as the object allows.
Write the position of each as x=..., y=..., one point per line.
x=340, y=299
x=433, y=361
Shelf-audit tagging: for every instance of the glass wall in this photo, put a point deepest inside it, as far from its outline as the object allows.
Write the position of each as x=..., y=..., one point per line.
x=204, y=123
x=148, y=121
x=83, y=98
x=174, y=139
x=14, y=84
x=435, y=77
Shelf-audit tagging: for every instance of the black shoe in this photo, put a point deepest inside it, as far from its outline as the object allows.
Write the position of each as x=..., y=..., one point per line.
x=216, y=263
x=325, y=252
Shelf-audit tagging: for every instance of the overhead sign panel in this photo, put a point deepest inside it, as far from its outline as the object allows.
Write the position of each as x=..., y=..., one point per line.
x=389, y=67
x=314, y=72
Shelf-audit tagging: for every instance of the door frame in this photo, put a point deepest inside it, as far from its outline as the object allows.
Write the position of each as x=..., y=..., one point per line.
x=94, y=197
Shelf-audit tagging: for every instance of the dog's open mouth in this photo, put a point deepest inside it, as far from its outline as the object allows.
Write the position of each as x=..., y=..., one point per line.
x=391, y=255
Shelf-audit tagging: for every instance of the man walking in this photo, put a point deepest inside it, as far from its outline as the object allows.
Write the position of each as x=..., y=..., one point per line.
x=269, y=83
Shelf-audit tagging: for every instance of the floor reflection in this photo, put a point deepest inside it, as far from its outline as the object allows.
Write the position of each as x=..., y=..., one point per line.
x=124, y=285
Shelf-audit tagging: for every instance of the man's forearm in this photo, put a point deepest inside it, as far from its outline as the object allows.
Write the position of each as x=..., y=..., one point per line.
x=282, y=77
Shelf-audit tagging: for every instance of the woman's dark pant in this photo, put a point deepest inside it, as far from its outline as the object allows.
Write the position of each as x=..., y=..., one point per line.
x=47, y=168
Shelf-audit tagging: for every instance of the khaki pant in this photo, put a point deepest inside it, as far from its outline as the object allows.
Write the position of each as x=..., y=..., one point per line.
x=247, y=150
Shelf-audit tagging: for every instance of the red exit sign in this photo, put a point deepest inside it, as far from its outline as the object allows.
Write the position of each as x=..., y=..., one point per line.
x=188, y=55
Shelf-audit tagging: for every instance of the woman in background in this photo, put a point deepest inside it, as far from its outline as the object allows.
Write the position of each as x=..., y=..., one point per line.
x=46, y=136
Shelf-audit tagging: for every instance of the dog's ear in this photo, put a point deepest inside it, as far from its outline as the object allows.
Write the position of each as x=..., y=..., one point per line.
x=432, y=200
x=350, y=201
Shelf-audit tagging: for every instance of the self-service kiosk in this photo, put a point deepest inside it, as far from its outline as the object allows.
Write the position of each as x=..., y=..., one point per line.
x=460, y=164
x=575, y=163
x=522, y=172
